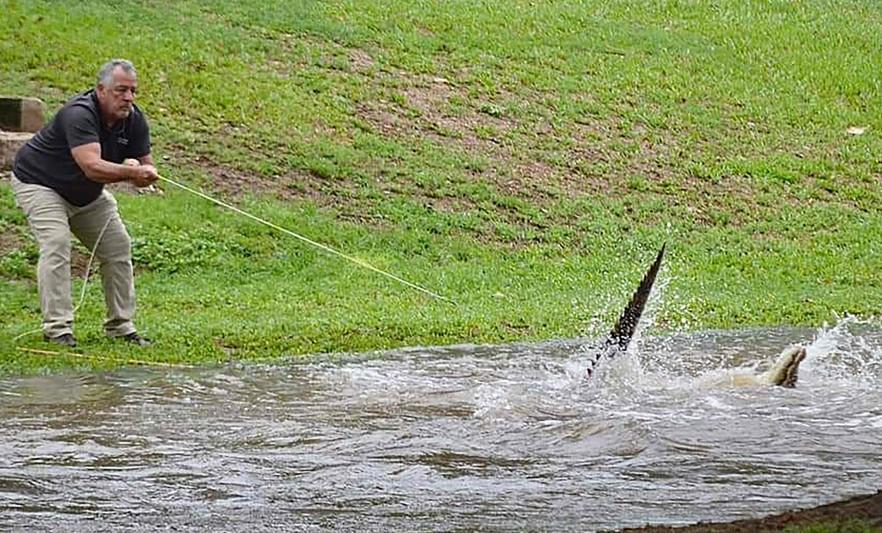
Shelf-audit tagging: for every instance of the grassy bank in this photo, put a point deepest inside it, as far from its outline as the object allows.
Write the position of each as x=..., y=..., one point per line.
x=524, y=159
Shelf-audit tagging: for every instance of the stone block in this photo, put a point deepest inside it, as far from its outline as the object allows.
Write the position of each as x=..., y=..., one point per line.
x=10, y=143
x=21, y=113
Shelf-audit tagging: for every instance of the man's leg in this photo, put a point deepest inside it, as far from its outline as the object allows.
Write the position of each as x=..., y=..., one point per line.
x=115, y=253
x=47, y=214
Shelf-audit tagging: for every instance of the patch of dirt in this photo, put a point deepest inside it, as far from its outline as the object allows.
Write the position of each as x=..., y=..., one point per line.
x=231, y=184
x=868, y=508
x=79, y=260
x=438, y=110
x=529, y=174
x=234, y=183
x=539, y=162
x=126, y=187
x=360, y=60
x=592, y=155
x=10, y=241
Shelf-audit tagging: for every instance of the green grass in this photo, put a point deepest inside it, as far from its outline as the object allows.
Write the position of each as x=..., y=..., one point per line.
x=836, y=526
x=525, y=159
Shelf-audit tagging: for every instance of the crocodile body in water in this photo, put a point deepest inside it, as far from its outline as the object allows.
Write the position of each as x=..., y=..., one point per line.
x=783, y=373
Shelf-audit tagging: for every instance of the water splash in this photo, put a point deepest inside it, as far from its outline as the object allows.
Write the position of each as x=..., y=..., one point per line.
x=846, y=352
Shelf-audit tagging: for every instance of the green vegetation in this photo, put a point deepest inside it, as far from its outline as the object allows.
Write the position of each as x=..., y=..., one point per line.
x=525, y=159
x=837, y=526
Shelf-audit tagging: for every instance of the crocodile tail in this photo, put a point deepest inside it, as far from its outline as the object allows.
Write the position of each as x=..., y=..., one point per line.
x=618, y=339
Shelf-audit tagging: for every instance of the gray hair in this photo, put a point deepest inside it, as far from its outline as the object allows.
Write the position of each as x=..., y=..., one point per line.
x=105, y=75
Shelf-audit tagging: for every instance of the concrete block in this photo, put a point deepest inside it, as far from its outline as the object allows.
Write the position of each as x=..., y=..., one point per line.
x=10, y=143
x=21, y=113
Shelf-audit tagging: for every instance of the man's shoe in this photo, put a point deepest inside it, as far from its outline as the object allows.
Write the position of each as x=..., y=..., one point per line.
x=134, y=338
x=65, y=339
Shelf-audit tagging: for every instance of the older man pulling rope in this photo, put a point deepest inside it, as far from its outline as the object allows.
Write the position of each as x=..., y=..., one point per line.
x=98, y=137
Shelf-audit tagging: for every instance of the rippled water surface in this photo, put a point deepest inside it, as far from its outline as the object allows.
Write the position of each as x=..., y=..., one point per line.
x=456, y=438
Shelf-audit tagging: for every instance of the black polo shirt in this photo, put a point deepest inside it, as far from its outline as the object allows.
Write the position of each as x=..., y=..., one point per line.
x=46, y=159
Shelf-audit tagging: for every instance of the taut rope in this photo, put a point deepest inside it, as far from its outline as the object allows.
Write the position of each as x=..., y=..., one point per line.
x=311, y=242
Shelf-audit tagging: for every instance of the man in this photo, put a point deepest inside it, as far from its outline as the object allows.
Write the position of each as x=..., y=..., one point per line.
x=58, y=179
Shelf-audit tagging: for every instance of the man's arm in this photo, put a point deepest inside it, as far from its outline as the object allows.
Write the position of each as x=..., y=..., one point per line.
x=88, y=158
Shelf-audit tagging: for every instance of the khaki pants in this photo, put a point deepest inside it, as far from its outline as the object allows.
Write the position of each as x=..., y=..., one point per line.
x=52, y=219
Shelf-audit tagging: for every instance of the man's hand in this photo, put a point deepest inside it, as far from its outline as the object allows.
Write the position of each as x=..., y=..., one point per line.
x=145, y=175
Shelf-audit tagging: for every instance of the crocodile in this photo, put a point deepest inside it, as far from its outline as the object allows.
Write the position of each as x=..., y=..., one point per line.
x=783, y=373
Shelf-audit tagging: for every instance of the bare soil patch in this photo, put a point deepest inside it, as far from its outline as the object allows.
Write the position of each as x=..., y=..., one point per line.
x=594, y=156
x=530, y=159
x=439, y=111
x=10, y=241
x=234, y=183
x=79, y=262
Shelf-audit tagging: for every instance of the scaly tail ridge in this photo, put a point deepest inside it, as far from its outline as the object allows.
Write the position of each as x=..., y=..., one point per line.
x=618, y=339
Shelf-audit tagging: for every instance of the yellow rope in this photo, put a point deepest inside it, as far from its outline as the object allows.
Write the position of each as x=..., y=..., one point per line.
x=129, y=361
x=326, y=248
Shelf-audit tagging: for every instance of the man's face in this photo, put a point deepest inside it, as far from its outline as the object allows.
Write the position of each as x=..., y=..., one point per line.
x=117, y=99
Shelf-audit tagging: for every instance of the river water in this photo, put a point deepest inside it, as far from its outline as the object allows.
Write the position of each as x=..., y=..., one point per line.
x=459, y=438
